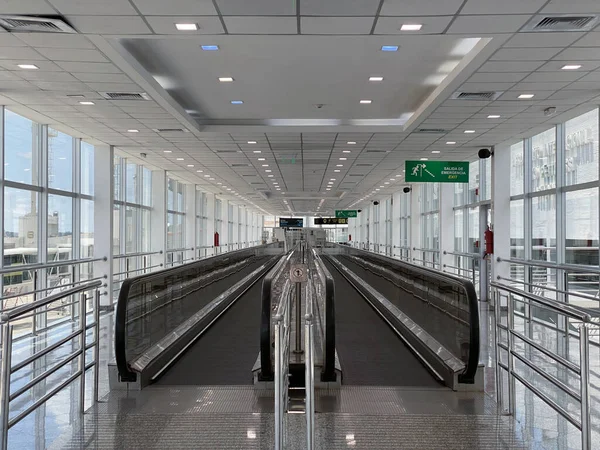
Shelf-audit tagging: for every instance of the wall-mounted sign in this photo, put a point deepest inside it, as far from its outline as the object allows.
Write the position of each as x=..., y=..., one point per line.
x=291, y=222
x=331, y=221
x=345, y=214
x=437, y=172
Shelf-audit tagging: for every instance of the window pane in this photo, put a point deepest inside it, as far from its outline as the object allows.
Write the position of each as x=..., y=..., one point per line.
x=87, y=229
x=171, y=189
x=60, y=160
x=131, y=182
x=517, y=229
x=117, y=229
x=459, y=194
x=516, y=169
x=131, y=230
x=473, y=230
x=544, y=161
x=170, y=230
x=180, y=197
x=117, y=171
x=581, y=149
x=60, y=224
x=87, y=168
x=582, y=227
x=473, y=182
x=458, y=230
x=487, y=163
x=543, y=236
x=21, y=149
x=145, y=230
x=20, y=226
x=147, y=188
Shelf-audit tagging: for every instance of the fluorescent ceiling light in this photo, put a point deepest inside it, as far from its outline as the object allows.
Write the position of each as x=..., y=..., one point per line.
x=206, y=176
x=265, y=165
x=257, y=151
x=261, y=159
x=469, y=131
x=199, y=171
x=343, y=159
x=225, y=79
x=237, y=102
x=190, y=165
x=186, y=26
x=424, y=159
x=210, y=48
x=337, y=170
x=375, y=78
x=380, y=186
x=435, y=151
x=133, y=131
x=86, y=103
x=28, y=66
x=167, y=151
x=526, y=95
x=387, y=182
x=211, y=179
x=571, y=67
x=339, y=165
x=493, y=116
x=179, y=159
x=411, y=27
x=366, y=102
x=332, y=179
x=346, y=151
x=270, y=176
x=251, y=142
x=450, y=143
x=377, y=189
x=389, y=48
x=268, y=170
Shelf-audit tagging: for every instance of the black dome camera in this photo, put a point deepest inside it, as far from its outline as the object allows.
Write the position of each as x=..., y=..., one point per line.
x=484, y=153
x=406, y=190
x=360, y=210
x=375, y=202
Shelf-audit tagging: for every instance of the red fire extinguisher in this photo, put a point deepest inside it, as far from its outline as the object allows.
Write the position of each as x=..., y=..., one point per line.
x=216, y=243
x=488, y=236
x=349, y=237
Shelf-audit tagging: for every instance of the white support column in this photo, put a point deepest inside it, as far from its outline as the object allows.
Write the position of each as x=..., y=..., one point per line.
x=501, y=211
x=210, y=223
x=446, y=223
x=189, y=240
x=224, y=231
x=396, y=210
x=158, y=218
x=415, y=220
x=103, y=218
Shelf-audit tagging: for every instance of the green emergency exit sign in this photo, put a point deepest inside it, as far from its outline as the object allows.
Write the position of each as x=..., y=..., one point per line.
x=345, y=214
x=437, y=172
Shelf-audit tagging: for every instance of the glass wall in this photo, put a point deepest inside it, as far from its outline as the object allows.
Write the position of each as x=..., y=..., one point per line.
x=404, y=218
x=430, y=226
x=175, y=222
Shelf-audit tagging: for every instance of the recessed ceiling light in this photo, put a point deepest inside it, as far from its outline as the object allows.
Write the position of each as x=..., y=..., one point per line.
x=237, y=102
x=257, y=151
x=387, y=182
x=268, y=170
x=366, y=102
x=411, y=27
x=380, y=186
x=28, y=66
x=186, y=26
x=167, y=151
x=337, y=170
x=179, y=159
x=133, y=131
x=261, y=159
x=332, y=179
x=399, y=175
x=270, y=176
x=377, y=189
x=211, y=179
x=265, y=165
x=339, y=165
x=278, y=189
x=219, y=184
x=87, y=103
x=210, y=48
x=389, y=48
x=199, y=171
x=435, y=151
x=346, y=151
x=469, y=131
x=225, y=79
x=493, y=116
x=206, y=176
x=571, y=67
x=450, y=143
x=526, y=96
x=375, y=78
x=251, y=142
x=190, y=165
x=424, y=159
x=343, y=159
x=392, y=179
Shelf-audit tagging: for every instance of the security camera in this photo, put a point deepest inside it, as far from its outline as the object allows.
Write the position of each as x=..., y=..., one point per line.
x=484, y=153
x=375, y=202
x=406, y=190
x=360, y=210
x=143, y=155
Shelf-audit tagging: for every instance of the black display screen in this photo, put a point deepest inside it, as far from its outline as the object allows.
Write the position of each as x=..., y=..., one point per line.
x=291, y=222
x=330, y=221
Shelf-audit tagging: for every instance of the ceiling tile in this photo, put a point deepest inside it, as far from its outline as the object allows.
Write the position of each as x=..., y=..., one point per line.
x=571, y=7
x=496, y=7
x=47, y=76
x=339, y=7
x=88, y=67
x=166, y=24
x=524, y=54
x=590, y=40
x=336, y=25
x=529, y=40
x=9, y=40
x=26, y=7
x=578, y=54
x=488, y=77
x=176, y=7
x=109, y=24
x=257, y=7
x=431, y=25
x=94, y=7
x=80, y=55
x=102, y=77
x=510, y=66
x=420, y=7
x=43, y=40
x=24, y=53
x=261, y=25
x=545, y=86
x=487, y=24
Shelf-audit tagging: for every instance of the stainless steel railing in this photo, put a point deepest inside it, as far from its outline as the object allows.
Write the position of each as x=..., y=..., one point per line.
x=515, y=344
x=309, y=367
x=7, y=395
x=282, y=321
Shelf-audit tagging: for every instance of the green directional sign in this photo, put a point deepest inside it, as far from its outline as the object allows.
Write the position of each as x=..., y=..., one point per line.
x=437, y=172
x=345, y=214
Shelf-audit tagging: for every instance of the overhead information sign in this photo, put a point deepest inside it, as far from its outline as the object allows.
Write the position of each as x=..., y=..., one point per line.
x=291, y=222
x=345, y=214
x=331, y=221
x=437, y=172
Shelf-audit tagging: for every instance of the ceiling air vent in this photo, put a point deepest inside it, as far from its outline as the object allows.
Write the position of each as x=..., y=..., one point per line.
x=240, y=165
x=125, y=95
x=561, y=23
x=256, y=183
x=226, y=151
x=377, y=151
x=169, y=130
x=25, y=24
x=363, y=165
x=432, y=130
x=490, y=95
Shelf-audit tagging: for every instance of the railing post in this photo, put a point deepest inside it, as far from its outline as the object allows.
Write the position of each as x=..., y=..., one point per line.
x=96, y=343
x=5, y=383
x=499, y=384
x=82, y=332
x=34, y=318
x=309, y=382
x=511, y=360
x=586, y=426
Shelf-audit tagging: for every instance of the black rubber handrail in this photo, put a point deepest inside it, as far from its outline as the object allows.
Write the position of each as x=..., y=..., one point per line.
x=125, y=373
x=468, y=375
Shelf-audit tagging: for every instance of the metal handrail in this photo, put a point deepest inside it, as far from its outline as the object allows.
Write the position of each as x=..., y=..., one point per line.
x=179, y=250
x=309, y=368
x=429, y=250
x=546, y=288
x=71, y=262
x=137, y=270
x=464, y=255
x=39, y=291
x=282, y=327
x=132, y=255
x=566, y=267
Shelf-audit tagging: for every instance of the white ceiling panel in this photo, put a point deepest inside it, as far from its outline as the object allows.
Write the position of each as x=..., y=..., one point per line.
x=431, y=24
x=261, y=25
x=589, y=40
x=26, y=7
x=546, y=86
x=504, y=77
x=555, y=66
x=339, y=7
x=94, y=7
x=26, y=53
x=11, y=64
x=109, y=24
x=420, y=7
x=62, y=41
x=552, y=77
x=524, y=54
x=176, y=7
x=496, y=7
x=10, y=40
x=336, y=25
x=487, y=24
x=594, y=76
x=166, y=24
x=102, y=77
x=510, y=66
x=571, y=6
x=578, y=54
x=532, y=40
x=47, y=76
x=257, y=7
x=87, y=67
x=80, y=55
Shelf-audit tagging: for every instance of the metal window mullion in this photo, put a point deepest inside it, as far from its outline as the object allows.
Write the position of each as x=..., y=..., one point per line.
x=2, y=177
x=76, y=215
x=40, y=321
x=527, y=225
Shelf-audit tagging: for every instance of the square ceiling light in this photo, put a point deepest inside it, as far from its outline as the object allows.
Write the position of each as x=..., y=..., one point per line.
x=186, y=26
